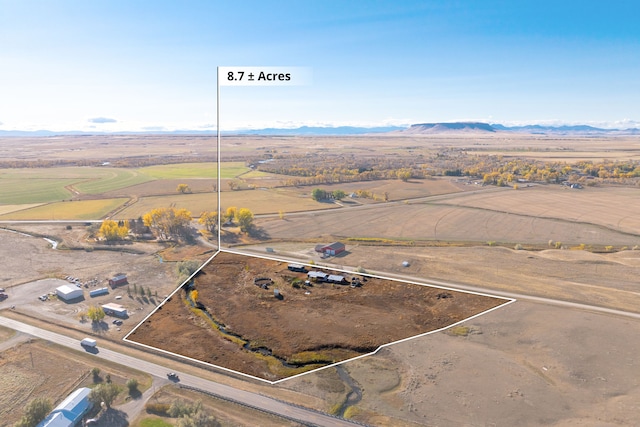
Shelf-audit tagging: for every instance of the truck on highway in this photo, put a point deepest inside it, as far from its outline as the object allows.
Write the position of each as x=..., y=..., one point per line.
x=88, y=342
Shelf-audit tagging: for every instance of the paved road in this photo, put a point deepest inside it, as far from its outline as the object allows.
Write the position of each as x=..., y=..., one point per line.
x=303, y=415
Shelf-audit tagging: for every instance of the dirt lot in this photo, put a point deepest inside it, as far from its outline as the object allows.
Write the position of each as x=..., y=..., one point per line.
x=311, y=326
x=21, y=276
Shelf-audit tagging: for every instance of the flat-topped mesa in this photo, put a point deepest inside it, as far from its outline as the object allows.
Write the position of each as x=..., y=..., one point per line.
x=449, y=127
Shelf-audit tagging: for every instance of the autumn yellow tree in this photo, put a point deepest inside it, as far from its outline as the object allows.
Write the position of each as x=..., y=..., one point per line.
x=95, y=313
x=111, y=230
x=230, y=213
x=209, y=220
x=245, y=219
x=168, y=222
x=183, y=188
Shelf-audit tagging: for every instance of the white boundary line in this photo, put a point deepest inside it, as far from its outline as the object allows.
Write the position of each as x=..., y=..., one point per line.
x=126, y=338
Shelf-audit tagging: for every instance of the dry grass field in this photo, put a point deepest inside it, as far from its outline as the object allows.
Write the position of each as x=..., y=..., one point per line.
x=614, y=208
x=439, y=222
x=76, y=210
x=41, y=369
x=527, y=364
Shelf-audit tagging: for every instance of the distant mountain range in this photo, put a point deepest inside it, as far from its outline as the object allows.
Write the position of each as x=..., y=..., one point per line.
x=417, y=129
x=479, y=127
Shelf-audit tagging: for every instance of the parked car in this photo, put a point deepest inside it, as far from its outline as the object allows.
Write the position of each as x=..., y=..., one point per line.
x=117, y=322
x=43, y=297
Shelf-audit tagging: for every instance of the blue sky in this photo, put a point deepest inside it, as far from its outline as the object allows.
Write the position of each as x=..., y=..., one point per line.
x=69, y=65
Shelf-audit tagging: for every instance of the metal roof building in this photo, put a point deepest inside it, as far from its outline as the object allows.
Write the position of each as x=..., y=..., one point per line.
x=67, y=293
x=70, y=411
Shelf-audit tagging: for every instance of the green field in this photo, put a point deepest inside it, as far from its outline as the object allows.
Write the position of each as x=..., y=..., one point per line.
x=194, y=170
x=79, y=210
x=19, y=191
x=43, y=185
x=107, y=179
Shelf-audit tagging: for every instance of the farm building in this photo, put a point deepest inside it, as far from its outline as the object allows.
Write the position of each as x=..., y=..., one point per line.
x=117, y=310
x=334, y=278
x=70, y=411
x=68, y=293
x=333, y=249
x=318, y=275
x=118, y=280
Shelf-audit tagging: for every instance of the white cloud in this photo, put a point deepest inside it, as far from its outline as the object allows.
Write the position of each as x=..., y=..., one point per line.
x=102, y=120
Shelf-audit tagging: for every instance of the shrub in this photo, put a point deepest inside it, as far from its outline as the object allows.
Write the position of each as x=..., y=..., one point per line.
x=157, y=408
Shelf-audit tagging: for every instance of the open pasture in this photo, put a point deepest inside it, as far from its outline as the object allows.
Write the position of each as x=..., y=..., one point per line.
x=435, y=222
x=615, y=208
x=76, y=210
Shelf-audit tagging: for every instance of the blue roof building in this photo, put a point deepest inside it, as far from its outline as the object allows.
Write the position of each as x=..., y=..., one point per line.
x=70, y=411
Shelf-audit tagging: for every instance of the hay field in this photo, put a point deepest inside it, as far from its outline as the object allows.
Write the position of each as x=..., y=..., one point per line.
x=5, y=209
x=76, y=210
x=612, y=207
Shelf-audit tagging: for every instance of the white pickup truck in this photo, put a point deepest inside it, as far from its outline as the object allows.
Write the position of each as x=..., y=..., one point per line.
x=88, y=342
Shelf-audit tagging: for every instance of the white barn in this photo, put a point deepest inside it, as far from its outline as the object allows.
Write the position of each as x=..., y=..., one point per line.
x=68, y=293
